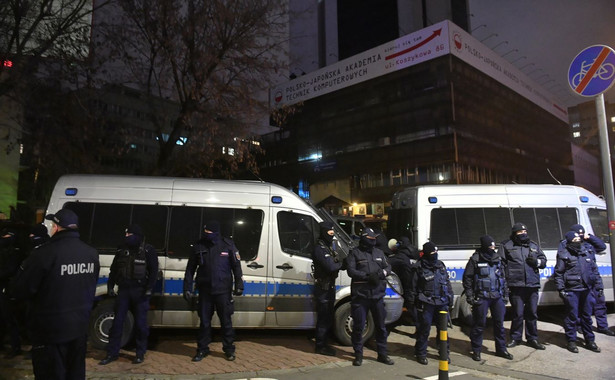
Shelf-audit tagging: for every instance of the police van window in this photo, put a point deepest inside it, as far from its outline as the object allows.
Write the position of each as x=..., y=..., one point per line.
x=152, y=220
x=599, y=221
x=546, y=226
x=109, y=224
x=84, y=212
x=246, y=232
x=346, y=226
x=462, y=227
x=184, y=229
x=297, y=233
x=242, y=225
x=443, y=229
x=498, y=223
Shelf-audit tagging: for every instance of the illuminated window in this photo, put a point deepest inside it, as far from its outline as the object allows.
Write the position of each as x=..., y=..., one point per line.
x=576, y=134
x=576, y=125
x=612, y=119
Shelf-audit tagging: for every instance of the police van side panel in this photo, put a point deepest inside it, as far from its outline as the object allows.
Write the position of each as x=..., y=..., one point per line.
x=454, y=217
x=273, y=229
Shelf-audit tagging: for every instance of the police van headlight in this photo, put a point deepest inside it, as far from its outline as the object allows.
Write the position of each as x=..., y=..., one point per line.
x=394, y=283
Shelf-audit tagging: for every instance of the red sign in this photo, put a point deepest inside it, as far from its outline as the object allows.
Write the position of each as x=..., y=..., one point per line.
x=7, y=63
x=612, y=225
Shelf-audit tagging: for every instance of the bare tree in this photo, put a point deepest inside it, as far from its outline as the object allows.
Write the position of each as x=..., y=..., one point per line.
x=215, y=58
x=34, y=30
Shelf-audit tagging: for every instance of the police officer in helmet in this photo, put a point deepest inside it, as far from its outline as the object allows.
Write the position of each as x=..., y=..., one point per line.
x=431, y=293
x=59, y=278
x=134, y=270
x=326, y=267
x=216, y=262
x=368, y=268
x=523, y=259
x=485, y=288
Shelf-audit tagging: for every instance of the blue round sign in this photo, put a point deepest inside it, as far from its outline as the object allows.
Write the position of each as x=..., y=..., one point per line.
x=592, y=71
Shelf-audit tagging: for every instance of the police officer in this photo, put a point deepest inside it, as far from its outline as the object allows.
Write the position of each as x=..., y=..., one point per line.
x=485, y=288
x=594, y=246
x=216, y=262
x=404, y=256
x=367, y=266
x=38, y=235
x=10, y=259
x=576, y=273
x=60, y=279
x=134, y=270
x=431, y=293
x=326, y=267
x=523, y=258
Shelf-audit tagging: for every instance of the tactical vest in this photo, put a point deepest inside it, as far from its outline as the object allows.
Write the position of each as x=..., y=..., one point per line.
x=132, y=266
x=489, y=280
x=435, y=284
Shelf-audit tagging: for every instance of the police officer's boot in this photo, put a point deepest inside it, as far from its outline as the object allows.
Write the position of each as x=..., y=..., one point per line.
x=358, y=359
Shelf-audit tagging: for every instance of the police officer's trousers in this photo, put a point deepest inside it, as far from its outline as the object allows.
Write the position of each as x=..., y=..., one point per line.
x=524, y=302
x=60, y=361
x=131, y=298
x=578, y=305
x=359, y=308
x=9, y=321
x=599, y=309
x=426, y=317
x=325, y=299
x=479, y=321
x=224, y=306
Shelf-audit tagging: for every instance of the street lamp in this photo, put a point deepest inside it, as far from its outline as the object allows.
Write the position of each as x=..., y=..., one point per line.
x=518, y=59
x=512, y=51
x=489, y=36
x=495, y=47
x=478, y=27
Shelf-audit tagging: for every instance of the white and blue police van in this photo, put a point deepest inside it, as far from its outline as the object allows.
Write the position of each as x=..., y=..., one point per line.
x=274, y=230
x=454, y=217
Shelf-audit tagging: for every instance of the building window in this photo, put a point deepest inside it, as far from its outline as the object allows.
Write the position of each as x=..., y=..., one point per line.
x=576, y=134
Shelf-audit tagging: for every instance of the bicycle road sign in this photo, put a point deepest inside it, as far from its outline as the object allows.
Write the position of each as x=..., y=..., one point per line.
x=592, y=71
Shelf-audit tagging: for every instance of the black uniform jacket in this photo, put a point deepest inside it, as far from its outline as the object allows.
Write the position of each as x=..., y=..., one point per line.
x=151, y=268
x=360, y=264
x=518, y=272
x=216, y=264
x=59, y=277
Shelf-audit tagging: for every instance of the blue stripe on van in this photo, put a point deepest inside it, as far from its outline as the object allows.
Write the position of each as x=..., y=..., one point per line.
x=175, y=286
x=456, y=274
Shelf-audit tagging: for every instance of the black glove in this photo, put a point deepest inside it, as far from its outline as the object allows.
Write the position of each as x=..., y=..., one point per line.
x=373, y=278
x=563, y=294
x=111, y=292
x=147, y=293
x=505, y=299
x=238, y=292
x=600, y=293
x=188, y=296
x=532, y=261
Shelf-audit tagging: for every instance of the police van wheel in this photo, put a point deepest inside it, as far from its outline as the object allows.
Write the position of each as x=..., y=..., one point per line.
x=100, y=324
x=343, y=325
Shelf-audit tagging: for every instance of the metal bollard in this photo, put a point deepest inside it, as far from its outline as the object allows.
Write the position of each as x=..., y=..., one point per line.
x=443, y=349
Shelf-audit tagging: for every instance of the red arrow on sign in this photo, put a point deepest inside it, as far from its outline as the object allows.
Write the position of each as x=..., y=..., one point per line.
x=592, y=70
x=434, y=35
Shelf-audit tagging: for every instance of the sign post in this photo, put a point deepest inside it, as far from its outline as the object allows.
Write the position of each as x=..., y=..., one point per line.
x=591, y=73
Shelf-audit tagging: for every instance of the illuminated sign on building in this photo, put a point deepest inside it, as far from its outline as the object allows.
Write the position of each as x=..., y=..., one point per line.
x=426, y=44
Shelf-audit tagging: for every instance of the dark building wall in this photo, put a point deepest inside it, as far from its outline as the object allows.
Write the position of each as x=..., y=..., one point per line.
x=441, y=121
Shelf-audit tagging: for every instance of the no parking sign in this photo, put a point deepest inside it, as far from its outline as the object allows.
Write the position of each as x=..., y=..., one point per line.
x=592, y=71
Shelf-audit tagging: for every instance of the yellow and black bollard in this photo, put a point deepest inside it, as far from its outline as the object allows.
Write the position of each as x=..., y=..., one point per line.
x=443, y=349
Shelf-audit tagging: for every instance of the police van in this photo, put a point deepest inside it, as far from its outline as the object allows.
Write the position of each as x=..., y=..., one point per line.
x=454, y=217
x=274, y=230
